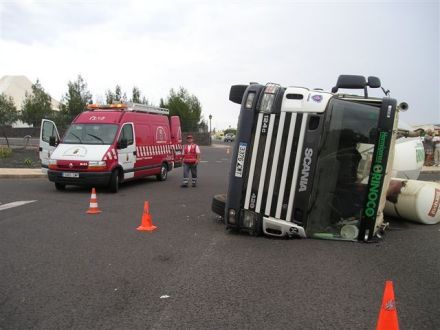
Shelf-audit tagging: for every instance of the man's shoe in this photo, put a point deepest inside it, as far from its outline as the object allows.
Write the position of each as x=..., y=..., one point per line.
x=184, y=185
x=194, y=184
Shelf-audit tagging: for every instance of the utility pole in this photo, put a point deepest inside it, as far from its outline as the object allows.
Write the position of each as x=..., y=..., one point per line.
x=210, y=136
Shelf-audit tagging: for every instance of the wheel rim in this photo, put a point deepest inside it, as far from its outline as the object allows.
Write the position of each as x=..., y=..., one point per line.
x=164, y=172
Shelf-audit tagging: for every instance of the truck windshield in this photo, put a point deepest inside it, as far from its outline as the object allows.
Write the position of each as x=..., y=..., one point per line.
x=90, y=134
x=343, y=167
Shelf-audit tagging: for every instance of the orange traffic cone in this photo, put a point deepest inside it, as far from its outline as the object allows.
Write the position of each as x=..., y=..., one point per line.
x=93, y=208
x=388, y=312
x=146, y=224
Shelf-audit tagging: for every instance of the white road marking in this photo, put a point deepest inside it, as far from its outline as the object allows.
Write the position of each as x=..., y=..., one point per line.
x=14, y=204
x=203, y=161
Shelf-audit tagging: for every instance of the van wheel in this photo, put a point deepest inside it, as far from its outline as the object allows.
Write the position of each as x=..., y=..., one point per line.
x=114, y=182
x=60, y=186
x=162, y=176
x=218, y=204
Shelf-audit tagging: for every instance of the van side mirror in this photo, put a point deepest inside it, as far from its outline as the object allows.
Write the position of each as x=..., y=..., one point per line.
x=122, y=144
x=52, y=141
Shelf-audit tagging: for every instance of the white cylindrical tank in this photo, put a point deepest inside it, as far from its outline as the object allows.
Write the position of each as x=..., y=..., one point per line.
x=414, y=200
x=409, y=156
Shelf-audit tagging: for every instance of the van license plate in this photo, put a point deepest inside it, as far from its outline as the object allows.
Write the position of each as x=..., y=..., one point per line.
x=70, y=175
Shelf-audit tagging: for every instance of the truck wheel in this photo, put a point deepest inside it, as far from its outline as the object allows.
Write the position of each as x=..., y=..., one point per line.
x=60, y=186
x=162, y=176
x=218, y=204
x=114, y=182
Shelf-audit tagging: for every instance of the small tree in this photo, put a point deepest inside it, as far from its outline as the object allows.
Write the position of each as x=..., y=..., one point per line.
x=186, y=106
x=115, y=96
x=75, y=100
x=109, y=96
x=230, y=130
x=136, y=95
x=36, y=106
x=118, y=93
x=8, y=113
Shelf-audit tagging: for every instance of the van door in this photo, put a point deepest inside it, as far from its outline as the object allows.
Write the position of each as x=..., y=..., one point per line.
x=127, y=150
x=49, y=139
x=176, y=140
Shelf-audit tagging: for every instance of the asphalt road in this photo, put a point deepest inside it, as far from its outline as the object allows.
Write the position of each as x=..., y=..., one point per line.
x=62, y=268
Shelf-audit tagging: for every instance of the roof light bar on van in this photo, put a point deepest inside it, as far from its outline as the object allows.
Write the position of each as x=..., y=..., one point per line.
x=130, y=106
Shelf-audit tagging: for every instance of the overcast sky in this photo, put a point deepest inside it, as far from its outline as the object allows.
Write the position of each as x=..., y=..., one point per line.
x=205, y=46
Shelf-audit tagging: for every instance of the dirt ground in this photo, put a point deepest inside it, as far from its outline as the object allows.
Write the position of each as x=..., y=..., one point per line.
x=21, y=158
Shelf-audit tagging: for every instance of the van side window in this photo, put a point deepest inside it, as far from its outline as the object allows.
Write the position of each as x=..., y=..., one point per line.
x=127, y=133
x=48, y=131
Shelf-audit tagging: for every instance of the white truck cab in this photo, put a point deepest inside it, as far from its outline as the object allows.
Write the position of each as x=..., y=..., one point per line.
x=310, y=163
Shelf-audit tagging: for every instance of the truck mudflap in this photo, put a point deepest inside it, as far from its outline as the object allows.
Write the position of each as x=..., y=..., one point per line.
x=282, y=228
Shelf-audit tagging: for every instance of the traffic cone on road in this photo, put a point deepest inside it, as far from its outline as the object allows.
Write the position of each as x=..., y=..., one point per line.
x=146, y=224
x=93, y=208
x=388, y=312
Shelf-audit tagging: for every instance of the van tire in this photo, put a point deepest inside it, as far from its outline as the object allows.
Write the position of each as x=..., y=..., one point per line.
x=163, y=175
x=114, y=182
x=60, y=186
x=218, y=204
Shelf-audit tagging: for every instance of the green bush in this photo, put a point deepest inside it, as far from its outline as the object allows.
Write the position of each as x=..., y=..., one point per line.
x=28, y=162
x=5, y=152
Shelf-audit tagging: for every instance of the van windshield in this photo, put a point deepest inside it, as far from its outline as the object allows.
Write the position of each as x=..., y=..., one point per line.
x=90, y=134
x=343, y=170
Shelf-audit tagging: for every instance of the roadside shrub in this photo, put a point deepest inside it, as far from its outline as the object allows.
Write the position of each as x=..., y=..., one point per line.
x=5, y=152
x=28, y=162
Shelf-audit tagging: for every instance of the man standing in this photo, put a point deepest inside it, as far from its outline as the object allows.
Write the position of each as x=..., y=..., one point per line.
x=436, y=142
x=191, y=157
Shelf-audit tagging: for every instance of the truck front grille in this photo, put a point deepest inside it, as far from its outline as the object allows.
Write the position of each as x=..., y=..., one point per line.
x=275, y=162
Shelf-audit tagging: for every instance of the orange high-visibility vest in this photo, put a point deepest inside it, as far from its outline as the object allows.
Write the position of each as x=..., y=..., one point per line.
x=190, y=154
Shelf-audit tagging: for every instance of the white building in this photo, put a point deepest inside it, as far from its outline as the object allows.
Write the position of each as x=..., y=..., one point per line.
x=17, y=87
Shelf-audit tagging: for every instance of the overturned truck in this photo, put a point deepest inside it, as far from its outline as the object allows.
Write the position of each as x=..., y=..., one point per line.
x=309, y=163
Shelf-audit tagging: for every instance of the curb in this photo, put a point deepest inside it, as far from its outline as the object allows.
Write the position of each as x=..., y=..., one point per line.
x=22, y=176
x=21, y=173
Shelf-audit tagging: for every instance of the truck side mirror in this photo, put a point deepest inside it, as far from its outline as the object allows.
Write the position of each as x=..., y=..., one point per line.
x=236, y=93
x=52, y=141
x=373, y=82
x=122, y=144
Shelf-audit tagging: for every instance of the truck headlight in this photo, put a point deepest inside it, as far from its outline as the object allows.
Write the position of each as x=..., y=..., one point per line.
x=249, y=100
x=248, y=219
x=231, y=216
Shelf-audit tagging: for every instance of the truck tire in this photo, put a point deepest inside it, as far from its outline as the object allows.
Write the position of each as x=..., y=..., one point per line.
x=60, y=186
x=163, y=175
x=114, y=182
x=218, y=204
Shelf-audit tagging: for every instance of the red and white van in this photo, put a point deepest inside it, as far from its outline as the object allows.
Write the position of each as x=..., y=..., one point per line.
x=109, y=144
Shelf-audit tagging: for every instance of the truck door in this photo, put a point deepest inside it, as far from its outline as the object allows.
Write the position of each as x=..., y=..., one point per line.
x=49, y=138
x=127, y=150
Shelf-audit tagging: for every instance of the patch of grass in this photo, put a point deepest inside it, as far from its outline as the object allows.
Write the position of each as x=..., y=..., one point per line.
x=5, y=152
